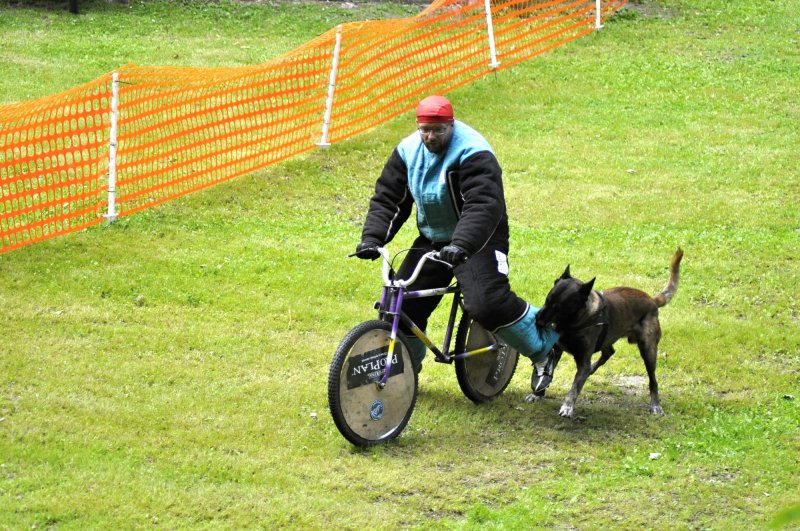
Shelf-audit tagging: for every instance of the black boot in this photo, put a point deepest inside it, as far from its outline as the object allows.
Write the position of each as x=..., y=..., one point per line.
x=543, y=372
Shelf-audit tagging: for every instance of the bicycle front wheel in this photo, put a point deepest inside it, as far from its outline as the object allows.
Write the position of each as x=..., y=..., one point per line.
x=484, y=376
x=364, y=412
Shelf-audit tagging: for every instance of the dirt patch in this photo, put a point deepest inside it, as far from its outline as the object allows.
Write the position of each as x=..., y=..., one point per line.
x=651, y=9
x=631, y=385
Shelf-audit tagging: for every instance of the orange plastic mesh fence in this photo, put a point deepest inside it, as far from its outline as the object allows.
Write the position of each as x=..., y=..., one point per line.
x=184, y=129
x=53, y=164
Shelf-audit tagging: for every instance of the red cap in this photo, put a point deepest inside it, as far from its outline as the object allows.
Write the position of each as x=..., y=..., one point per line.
x=435, y=109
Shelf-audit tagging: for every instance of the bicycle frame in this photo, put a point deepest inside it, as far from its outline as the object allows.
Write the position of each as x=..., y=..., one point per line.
x=391, y=304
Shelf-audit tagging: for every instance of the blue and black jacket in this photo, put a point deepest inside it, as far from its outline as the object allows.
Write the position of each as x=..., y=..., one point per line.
x=458, y=193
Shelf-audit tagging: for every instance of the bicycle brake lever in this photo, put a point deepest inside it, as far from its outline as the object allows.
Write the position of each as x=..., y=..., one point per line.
x=436, y=258
x=356, y=253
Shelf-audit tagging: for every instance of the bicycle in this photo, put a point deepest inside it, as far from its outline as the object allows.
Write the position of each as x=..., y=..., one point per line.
x=372, y=382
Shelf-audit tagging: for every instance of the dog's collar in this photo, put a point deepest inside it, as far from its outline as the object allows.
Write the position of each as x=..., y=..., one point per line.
x=600, y=318
x=603, y=322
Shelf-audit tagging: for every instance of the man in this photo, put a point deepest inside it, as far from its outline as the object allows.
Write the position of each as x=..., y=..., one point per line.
x=449, y=171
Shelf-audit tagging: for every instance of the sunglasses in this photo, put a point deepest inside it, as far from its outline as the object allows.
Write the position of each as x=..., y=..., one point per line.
x=435, y=130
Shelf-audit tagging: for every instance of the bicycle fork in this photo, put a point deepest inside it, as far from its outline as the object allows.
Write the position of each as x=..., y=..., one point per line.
x=395, y=302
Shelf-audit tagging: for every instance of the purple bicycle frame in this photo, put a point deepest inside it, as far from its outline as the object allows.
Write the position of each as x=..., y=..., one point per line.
x=395, y=303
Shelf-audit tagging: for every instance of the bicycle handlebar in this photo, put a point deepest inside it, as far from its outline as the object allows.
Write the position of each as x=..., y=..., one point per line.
x=387, y=266
x=404, y=283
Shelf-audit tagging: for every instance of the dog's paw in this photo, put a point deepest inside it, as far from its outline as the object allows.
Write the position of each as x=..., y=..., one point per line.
x=533, y=398
x=656, y=410
x=566, y=411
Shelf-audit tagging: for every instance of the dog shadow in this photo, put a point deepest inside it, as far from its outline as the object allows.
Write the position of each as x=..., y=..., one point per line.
x=602, y=412
x=444, y=416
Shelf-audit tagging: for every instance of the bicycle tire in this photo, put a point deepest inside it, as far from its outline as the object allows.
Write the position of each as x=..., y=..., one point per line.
x=485, y=376
x=364, y=413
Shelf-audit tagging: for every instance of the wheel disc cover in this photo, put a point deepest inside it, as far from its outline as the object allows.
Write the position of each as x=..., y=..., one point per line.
x=371, y=412
x=485, y=372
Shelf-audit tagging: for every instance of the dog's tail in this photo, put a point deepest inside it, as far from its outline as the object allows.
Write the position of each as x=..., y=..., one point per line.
x=672, y=285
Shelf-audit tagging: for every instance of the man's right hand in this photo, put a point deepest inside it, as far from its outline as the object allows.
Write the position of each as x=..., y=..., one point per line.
x=368, y=250
x=453, y=254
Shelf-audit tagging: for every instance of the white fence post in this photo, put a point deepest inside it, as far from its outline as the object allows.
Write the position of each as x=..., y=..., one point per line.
x=492, y=52
x=597, y=8
x=112, y=151
x=323, y=142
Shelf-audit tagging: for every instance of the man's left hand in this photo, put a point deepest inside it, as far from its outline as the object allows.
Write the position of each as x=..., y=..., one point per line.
x=453, y=254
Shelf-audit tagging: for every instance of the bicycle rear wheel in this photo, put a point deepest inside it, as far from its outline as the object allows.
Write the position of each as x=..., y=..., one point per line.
x=484, y=376
x=365, y=413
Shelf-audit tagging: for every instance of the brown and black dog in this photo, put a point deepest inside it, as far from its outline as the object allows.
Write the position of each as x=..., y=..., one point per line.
x=590, y=321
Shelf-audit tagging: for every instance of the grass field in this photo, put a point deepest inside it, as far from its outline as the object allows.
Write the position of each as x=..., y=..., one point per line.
x=170, y=370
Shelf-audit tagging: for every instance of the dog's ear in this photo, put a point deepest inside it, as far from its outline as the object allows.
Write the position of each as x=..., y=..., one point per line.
x=565, y=274
x=586, y=289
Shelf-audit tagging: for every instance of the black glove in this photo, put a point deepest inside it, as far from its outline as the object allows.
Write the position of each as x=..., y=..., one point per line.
x=453, y=254
x=368, y=250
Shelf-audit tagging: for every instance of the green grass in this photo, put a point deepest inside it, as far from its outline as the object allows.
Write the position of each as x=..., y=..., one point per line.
x=171, y=369
x=57, y=51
